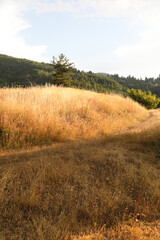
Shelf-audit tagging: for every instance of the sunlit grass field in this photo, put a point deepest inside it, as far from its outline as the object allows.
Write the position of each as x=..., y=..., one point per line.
x=42, y=115
x=76, y=164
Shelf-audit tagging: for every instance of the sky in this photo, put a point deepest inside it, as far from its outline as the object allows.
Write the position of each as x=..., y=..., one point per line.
x=112, y=36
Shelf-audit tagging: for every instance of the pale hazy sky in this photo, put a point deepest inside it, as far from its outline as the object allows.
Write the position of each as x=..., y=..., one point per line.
x=112, y=36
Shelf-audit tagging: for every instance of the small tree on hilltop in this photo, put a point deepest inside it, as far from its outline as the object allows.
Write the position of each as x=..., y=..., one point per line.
x=62, y=70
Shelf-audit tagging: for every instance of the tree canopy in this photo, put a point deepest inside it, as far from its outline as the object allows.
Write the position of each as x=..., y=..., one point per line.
x=62, y=70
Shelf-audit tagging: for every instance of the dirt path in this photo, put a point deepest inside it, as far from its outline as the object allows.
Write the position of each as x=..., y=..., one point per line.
x=151, y=121
x=15, y=157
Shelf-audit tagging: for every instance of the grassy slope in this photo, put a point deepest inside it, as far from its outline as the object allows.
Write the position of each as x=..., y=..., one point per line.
x=38, y=116
x=88, y=186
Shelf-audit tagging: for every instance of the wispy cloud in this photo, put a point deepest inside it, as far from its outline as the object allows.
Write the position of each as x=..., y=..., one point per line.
x=143, y=57
x=11, y=25
x=95, y=8
x=140, y=59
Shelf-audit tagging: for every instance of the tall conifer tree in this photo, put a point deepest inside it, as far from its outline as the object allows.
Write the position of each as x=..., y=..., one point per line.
x=62, y=70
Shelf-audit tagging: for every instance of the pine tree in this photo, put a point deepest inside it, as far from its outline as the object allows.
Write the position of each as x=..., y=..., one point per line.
x=62, y=70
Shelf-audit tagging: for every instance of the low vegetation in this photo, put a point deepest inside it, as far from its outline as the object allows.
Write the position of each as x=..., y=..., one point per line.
x=104, y=187
x=145, y=98
x=42, y=115
x=81, y=187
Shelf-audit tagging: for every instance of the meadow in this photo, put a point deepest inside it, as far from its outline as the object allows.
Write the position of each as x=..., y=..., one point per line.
x=76, y=164
x=42, y=115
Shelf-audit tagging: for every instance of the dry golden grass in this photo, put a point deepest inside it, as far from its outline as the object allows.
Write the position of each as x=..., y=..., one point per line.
x=131, y=230
x=146, y=132
x=135, y=231
x=61, y=191
x=42, y=115
x=99, y=188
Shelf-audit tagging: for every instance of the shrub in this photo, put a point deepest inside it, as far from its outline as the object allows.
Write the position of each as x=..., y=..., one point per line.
x=145, y=98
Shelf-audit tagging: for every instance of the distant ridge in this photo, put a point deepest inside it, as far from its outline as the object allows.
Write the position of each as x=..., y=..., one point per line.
x=22, y=72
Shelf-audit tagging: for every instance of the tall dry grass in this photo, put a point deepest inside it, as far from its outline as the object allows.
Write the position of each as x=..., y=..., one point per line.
x=41, y=115
x=131, y=230
x=147, y=132
x=79, y=189
x=60, y=192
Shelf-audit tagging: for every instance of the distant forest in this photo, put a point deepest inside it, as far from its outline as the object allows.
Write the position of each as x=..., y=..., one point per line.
x=16, y=72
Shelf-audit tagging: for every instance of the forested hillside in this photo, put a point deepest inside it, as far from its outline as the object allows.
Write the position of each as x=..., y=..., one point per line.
x=15, y=72
x=21, y=72
x=151, y=84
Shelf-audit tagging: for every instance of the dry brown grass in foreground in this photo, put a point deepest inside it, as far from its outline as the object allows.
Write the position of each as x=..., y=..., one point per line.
x=42, y=115
x=131, y=230
x=60, y=192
